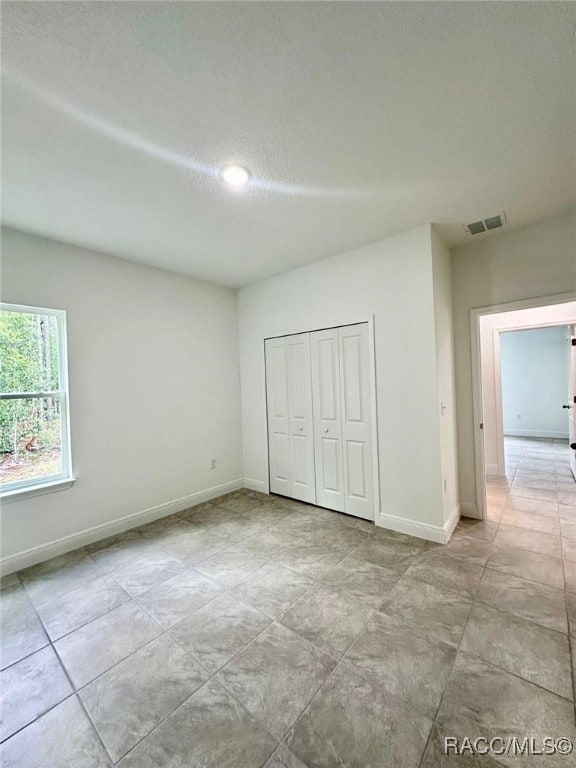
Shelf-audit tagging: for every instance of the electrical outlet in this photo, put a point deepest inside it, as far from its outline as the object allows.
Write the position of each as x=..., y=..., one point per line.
x=213, y=464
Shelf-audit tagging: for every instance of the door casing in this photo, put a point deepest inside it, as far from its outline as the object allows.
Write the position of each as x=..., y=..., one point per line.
x=475, y=314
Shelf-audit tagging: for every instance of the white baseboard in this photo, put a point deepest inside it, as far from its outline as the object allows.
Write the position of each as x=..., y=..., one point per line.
x=438, y=533
x=256, y=485
x=492, y=470
x=469, y=510
x=451, y=523
x=57, y=547
x=536, y=433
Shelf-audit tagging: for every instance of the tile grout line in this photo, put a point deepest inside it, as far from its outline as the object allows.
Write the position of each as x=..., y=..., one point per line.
x=74, y=690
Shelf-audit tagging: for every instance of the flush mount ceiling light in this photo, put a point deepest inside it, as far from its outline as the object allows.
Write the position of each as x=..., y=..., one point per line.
x=235, y=175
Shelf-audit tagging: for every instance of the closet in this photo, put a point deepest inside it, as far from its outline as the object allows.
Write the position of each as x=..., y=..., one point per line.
x=319, y=405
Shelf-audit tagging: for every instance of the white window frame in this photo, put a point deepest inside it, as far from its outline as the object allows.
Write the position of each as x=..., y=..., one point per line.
x=47, y=483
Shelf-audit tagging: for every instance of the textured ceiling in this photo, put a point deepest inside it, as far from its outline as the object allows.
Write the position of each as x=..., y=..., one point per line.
x=357, y=120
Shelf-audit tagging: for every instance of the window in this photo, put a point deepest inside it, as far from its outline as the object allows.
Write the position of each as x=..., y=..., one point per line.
x=34, y=423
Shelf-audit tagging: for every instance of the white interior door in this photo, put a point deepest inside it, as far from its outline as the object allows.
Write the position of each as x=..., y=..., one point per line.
x=303, y=481
x=327, y=419
x=572, y=401
x=356, y=420
x=278, y=421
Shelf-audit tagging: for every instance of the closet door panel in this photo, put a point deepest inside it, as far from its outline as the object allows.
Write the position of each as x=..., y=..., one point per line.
x=327, y=420
x=278, y=421
x=356, y=420
x=303, y=484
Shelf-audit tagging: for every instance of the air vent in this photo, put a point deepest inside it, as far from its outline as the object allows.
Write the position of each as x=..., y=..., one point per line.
x=485, y=225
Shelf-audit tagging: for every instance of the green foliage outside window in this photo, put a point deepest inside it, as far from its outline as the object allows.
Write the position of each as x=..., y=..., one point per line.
x=28, y=363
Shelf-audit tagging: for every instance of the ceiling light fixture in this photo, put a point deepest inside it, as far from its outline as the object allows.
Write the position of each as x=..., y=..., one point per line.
x=235, y=175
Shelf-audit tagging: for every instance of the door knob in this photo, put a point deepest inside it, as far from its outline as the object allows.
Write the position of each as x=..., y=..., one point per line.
x=300, y=428
x=573, y=446
x=566, y=406
x=326, y=430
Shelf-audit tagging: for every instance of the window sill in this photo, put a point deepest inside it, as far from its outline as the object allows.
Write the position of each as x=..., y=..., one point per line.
x=18, y=494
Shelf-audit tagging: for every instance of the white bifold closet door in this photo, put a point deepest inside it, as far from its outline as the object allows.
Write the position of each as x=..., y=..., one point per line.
x=319, y=403
x=289, y=402
x=343, y=420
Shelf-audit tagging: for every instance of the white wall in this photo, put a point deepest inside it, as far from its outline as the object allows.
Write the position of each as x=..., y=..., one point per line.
x=535, y=382
x=490, y=328
x=534, y=261
x=154, y=386
x=443, y=318
x=393, y=281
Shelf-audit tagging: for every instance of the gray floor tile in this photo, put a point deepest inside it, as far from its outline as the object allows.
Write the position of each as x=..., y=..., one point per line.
x=388, y=553
x=215, y=633
x=206, y=514
x=275, y=676
x=132, y=698
x=566, y=512
x=566, y=497
x=531, y=520
x=477, y=529
x=273, y=589
x=538, y=494
x=21, y=630
x=525, y=486
x=354, y=723
x=240, y=504
x=165, y=529
x=361, y=580
x=237, y=528
x=72, y=610
x=526, y=504
x=481, y=699
x=438, y=614
x=533, y=541
x=210, y=730
x=446, y=572
x=193, y=548
x=568, y=528
x=402, y=538
x=91, y=650
x=9, y=581
x=268, y=513
x=233, y=566
x=139, y=576
x=269, y=543
x=61, y=738
x=59, y=575
x=403, y=661
x=359, y=523
x=371, y=710
x=311, y=560
x=30, y=688
x=527, y=599
x=327, y=618
x=569, y=549
x=535, y=653
x=332, y=534
x=178, y=597
x=125, y=550
x=470, y=548
x=283, y=758
x=571, y=606
x=534, y=567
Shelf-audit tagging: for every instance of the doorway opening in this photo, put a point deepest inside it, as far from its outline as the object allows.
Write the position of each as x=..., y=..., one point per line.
x=525, y=401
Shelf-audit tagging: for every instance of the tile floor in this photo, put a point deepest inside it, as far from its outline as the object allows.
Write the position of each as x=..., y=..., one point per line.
x=256, y=631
